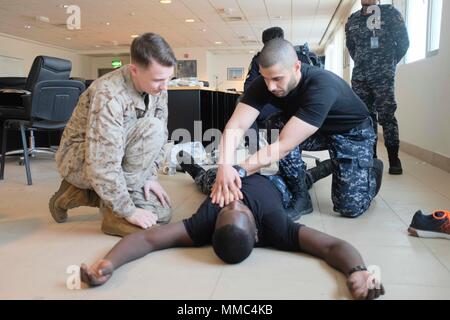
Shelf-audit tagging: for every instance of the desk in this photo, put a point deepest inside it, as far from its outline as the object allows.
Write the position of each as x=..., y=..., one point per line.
x=186, y=105
x=190, y=104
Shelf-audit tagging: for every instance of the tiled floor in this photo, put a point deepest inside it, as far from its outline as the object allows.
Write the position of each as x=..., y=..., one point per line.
x=35, y=252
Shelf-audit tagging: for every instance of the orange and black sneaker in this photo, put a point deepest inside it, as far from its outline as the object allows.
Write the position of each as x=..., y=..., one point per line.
x=436, y=225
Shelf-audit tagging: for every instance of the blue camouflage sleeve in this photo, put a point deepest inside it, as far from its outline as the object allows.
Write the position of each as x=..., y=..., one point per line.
x=350, y=42
x=400, y=34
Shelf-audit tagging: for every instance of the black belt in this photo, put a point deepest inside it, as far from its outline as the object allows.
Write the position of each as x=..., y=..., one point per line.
x=365, y=124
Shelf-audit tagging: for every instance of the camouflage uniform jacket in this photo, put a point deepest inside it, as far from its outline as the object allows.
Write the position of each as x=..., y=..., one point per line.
x=376, y=63
x=93, y=144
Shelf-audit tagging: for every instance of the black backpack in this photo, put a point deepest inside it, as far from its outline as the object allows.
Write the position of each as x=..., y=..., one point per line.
x=308, y=57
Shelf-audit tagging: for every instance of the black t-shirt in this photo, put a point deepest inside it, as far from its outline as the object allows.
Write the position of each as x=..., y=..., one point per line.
x=321, y=99
x=275, y=228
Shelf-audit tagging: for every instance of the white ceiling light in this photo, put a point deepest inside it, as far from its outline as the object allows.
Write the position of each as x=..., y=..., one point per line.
x=165, y=1
x=134, y=36
x=218, y=42
x=27, y=26
x=42, y=19
x=108, y=23
x=189, y=20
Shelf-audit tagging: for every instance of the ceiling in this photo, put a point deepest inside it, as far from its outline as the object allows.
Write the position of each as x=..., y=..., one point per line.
x=237, y=24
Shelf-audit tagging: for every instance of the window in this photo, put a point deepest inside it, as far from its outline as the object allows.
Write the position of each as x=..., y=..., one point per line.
x=334, y=53
x=417, y=20
x=435, y=26
x=424, y=28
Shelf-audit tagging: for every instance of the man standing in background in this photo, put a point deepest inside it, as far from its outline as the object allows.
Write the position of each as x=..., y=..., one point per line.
x=377, y=41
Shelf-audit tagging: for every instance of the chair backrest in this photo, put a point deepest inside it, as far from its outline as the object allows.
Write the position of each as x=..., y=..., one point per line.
x=55, y=100
x=47, y=68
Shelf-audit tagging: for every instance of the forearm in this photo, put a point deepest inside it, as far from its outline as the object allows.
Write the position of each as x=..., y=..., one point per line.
x=130, y=248
x=161, y=157
x=139, y=244
x=293, y=134
x=157, y=164
x=343, y=257
x=229, y=142
x=265, y=157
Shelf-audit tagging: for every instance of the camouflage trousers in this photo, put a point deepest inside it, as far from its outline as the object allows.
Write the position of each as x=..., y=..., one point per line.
x=379, y=96
x=142, y=146
x=354, y=178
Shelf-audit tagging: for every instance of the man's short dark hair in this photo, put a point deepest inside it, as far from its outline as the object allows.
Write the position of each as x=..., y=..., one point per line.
x=278, y=51
x=232, y=244
x=151, y=46
x=272, y=33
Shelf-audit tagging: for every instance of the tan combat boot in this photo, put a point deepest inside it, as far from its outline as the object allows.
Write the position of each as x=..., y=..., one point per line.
x=115, y=225
x=68, y=197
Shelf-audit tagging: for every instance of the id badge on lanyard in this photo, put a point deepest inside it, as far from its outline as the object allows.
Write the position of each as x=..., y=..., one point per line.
x=374, y=41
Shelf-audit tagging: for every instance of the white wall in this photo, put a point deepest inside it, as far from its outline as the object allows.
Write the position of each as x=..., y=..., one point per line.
x=27, y=50
x=105, y=62
x=217, y=70
x=213, y=67
x=423, y=93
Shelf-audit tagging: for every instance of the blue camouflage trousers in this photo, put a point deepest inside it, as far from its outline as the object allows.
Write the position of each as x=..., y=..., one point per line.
x=354, y=178
x=379, y=96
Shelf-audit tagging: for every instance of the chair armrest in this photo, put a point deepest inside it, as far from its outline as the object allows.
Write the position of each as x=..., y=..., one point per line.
x=12, y=98
x=13, y=82
x=16, y=91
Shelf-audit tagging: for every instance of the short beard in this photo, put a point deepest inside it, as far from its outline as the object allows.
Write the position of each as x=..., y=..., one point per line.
x=292, y=84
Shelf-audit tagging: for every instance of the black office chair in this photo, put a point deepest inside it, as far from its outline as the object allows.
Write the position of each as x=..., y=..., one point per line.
x=13, y=101
x=46, y=104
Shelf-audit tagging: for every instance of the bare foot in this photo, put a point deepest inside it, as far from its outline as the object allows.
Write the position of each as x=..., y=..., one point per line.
x=98, y=274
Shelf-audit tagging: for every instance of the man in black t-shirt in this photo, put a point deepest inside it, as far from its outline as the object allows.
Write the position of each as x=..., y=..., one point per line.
x=322, y=113
x=256, y=221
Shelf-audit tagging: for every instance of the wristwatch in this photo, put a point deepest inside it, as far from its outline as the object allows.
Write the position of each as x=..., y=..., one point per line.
x=357, y=269
x=241, y=171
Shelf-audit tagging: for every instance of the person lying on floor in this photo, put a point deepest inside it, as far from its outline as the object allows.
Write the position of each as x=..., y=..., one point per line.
x=292, y=191
x=259, y=220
